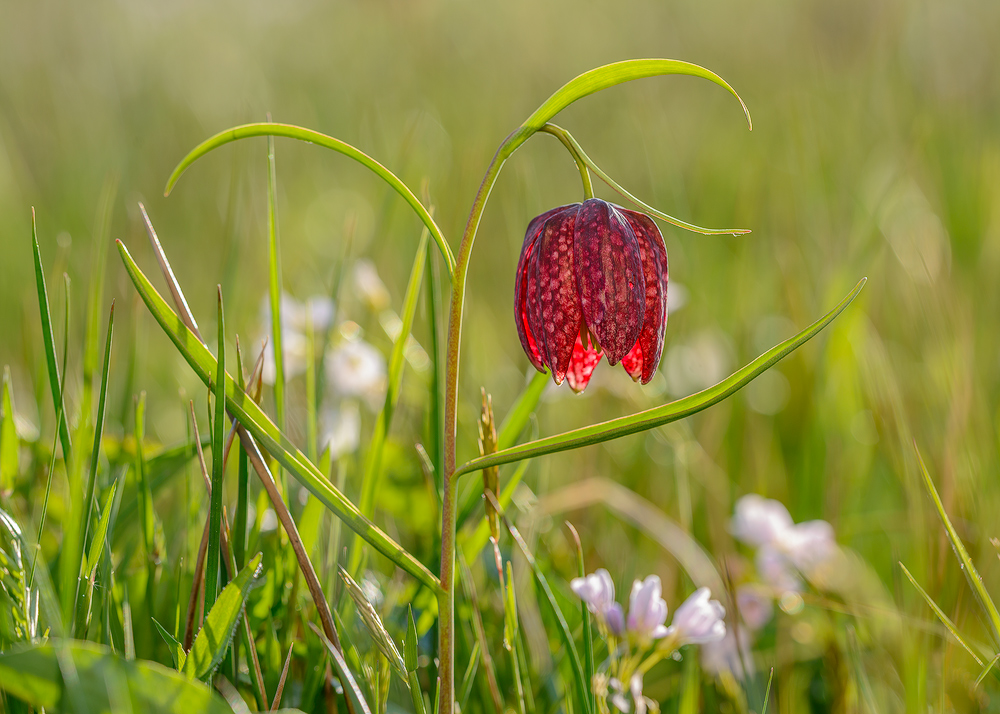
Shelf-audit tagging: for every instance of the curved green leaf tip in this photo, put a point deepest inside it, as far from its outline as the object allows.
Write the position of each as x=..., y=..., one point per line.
x=617, y=73
x=291, y=131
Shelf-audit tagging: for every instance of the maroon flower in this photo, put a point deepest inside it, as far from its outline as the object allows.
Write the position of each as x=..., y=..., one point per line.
x=592, y=282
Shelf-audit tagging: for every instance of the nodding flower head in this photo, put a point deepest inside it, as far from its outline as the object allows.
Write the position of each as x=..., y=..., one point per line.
x=592, y=282
x=647, y=610
x=698, y=620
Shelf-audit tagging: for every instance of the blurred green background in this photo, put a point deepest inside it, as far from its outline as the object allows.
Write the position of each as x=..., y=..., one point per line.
x=875, y=152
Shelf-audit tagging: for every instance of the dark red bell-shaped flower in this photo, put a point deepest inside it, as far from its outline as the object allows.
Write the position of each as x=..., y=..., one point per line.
x=592, y=282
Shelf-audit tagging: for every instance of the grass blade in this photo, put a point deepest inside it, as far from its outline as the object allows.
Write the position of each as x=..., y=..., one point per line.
x=588, y=632
x=474, y=543
x=274, y=285
x=240, y=526
x=146, y=515
x=373, y=457
x=658, y=416
x=101, y=534
x=218, y=467
x=263, y=429
x=220, y=623
x=9, y=443
x=436, y=410
x=975, y=579
x=480, y=632
x=987, y=669
x=95, y=456
x=177, y=653
x=582, y=686
x=351, y=688
x=945, y=620
x=49, y=340
x=315, y=137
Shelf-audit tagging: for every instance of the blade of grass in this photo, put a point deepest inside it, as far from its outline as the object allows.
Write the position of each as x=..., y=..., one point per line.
x=373, y=457
x=480, y=632
x=91, y=341
x=658, y=416
x=85, y=601
x=10, y=446
x=145, y=493
x=351, y=689
x=218, y=466
x=588, y=633
x=281, y=680
x=968, y=567
x=582, y=686
x=767, y=692
x=474, y=543
x=45, y=499
x=986, y=670
x=272, y=439
x=314, y=137
x=95, y=456
x=274, y=288
x=240, y=529
x=48, y=339
x=945, y=620
x=436, y=409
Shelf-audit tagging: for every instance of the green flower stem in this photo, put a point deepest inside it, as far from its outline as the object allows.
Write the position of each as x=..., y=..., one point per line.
x=572, y=147
x=446, y=596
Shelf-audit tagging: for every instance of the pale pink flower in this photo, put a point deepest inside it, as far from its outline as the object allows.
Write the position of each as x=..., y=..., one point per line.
x=647, y=610
x=698, y=620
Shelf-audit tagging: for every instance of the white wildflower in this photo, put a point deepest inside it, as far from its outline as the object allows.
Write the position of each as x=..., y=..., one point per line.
x=759, y=521
x=647, y=610
x=357, y=369
x=698, y=620
x=341, y=429
x=598, y=591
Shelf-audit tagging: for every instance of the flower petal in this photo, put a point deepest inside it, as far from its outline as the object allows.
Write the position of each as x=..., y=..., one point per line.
x=609, y=277
x=553, y=302
x=582, y=364
x=524, y=282
x=643, y=359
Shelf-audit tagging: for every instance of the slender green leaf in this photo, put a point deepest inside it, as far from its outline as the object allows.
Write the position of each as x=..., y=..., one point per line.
x=517, y=417
x=987, y=669
x=177, y=653
x=767, y=692
x=95, y=456
x=612, y=74
x=436, y=409
x=578, y=151
x=242, y=504
x=945, y=620
x=48, y=338
x=263, y=429
x=658, y=416
x=103, y=680
x=220, y=623
x=214, y=557
x=373, y=457
x=274, y=286
x=91, y=340
x=582, y=686
x=314, y=137
x=351, y=688
x=146, y=515
x=9, y=442
x=101, y=534
x=588, y=632
x=410, y=643
x=968, y=567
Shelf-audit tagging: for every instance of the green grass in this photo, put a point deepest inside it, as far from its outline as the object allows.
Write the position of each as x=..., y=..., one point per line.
x=874, y=152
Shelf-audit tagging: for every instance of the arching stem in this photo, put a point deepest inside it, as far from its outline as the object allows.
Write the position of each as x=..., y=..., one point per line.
x=574, y=149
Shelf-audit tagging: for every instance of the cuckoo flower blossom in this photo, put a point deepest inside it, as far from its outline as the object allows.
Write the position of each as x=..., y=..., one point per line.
x=647, y=610
x=598, y=591
x=592, y=282
x=698, y=620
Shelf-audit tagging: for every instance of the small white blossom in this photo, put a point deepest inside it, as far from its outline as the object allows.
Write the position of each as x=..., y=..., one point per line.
x=294, y=318
x=755, y=605
x=698, y=620
x=777, y=571
x=357, y=369
x=598, y=591
x=759, y=521
x=620, y=702
x=647, y=610
x=810, y=545
x=341, y=431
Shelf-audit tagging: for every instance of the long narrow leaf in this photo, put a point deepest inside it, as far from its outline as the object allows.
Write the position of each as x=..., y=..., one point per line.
x=49, y=338
x=658, y=416
x=95, y=456
x=9, y=443
x=975, y=579
x=264, y=430
x=220, y=623
x=613, y=74
x=315, y=137
x=274, y=285
x=373, y=457
x=218, y=467
x=945, y=620
x=351, y=688
x=582, y=686
x=101, y=534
